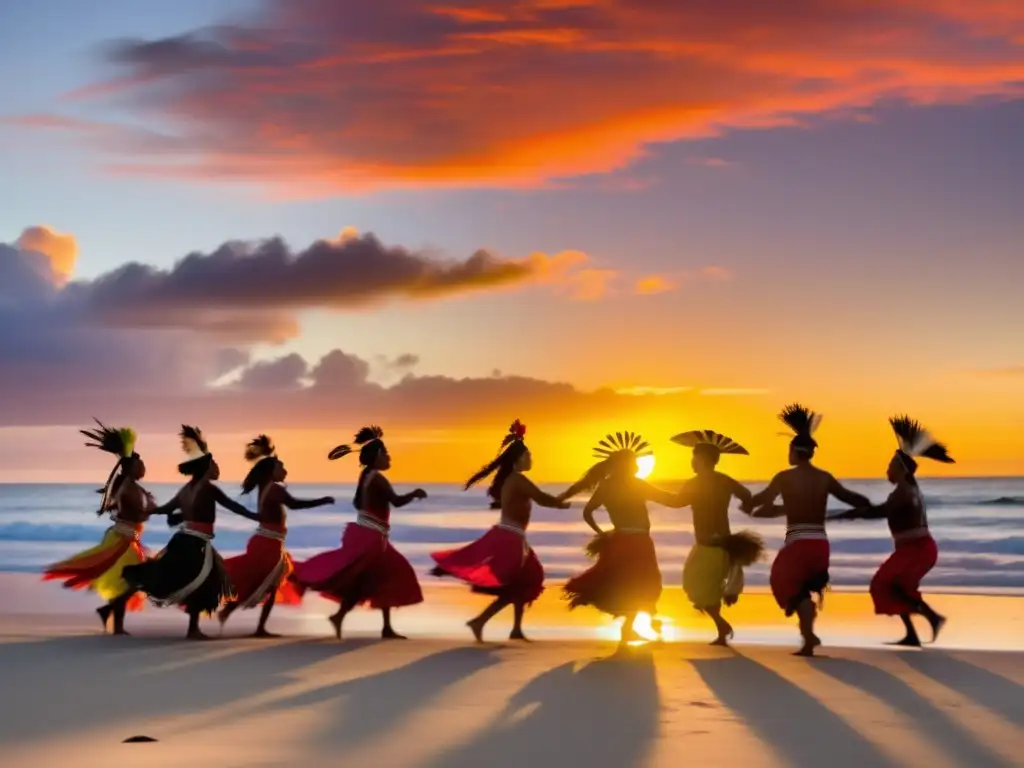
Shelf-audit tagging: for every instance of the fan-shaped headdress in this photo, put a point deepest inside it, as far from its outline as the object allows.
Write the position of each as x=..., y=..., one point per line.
x=915, y=441
x=121, y=443
x=622, y=444
x=194, y=445
x=804, y=423
x=709, y=442
x=261, y=452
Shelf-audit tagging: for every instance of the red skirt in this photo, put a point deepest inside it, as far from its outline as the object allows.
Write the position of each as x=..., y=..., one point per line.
x=367, y=569
x=499, y=563
x=800, y=569
x=896, y=587
x=625, y=579
x=262, y=570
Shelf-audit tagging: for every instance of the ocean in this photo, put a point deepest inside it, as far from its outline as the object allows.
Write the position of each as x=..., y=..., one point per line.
x=979, y=524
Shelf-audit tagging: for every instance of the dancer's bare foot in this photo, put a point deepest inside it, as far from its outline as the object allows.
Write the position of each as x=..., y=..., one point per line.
x=937, y=624
x=722, y=640
x=517, y=634
x=477, y=628
x=197, y=634
x=262, y=633
x=810, y=643
x=104, y=612
x=389, y=634
x=629, y=635
x=336, y=620
x=907, y=642
x=121, y=631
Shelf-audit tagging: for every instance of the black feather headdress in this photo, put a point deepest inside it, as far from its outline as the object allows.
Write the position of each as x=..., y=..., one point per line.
x=707, y=437
x=260, y=447
x=121, y=443
x=365, y=438
x=622, y=443
x=804, y=423
x=915, y=441
x=198, y=452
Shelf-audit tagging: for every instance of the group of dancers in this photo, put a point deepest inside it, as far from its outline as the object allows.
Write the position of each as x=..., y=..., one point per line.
x=624, y=580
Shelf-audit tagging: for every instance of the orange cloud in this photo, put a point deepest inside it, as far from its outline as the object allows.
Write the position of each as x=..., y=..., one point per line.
x=59, y=248
x=653, y=284
x=720, y=274
x=497, y=94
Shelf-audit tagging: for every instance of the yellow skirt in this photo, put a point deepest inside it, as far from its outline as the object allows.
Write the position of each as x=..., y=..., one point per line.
x=705, y=575
x=99, y=568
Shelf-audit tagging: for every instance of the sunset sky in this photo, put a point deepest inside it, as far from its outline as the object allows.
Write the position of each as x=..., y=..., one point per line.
x=298, y=216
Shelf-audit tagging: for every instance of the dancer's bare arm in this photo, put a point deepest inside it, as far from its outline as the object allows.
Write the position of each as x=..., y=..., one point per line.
x=292, y=503
x=765, y=497
x=872, y=511
x=665, y=498
x=169, y=507
x=538, y=496
x=396, y=499
x=596, y=501
x=845, y=495
x=231, y=505
x=741, y=492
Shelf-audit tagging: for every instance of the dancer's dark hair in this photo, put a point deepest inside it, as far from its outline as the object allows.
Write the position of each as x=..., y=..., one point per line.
x=371, y=445
x=261, y=451
x=513, y=447
x=121, y=443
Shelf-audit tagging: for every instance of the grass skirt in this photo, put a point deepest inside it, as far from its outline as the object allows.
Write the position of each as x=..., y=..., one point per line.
x=626, y=577
x=499, y=563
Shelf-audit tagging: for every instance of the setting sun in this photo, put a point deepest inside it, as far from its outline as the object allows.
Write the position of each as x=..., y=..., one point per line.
x=644, y=466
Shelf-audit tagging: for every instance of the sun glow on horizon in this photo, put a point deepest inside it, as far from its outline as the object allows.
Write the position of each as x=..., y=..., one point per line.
x=644, y=466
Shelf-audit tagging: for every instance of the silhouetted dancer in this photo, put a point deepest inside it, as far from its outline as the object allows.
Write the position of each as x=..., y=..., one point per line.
x=713, y=572
x=626, y=578
x=896, y=587
x=800, y=568
x=366, y=568
x=260, y=574
x=130, y=505
x=190, y=572
x=501, y=562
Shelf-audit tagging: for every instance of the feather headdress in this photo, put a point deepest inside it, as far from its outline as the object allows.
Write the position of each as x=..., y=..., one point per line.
x=121, y=443
x=622, y=443
x=804, y=423
x=193, y=443
x=916, y=441
x=364, y=437
x=260, y=447
x=516, y=433
x=258, y=451
x=699, y=437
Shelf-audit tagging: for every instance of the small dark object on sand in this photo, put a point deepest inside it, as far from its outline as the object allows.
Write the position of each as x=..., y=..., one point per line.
x=137, y=739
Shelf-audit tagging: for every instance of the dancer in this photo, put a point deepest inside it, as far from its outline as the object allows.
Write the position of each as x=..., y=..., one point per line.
x=801, y=566
x=190, y=572
x=501, y=562
x=260, y=574
x=130, y=505
x=896, y=587
x=366, y=568
x=626, y=578
x=713, y=572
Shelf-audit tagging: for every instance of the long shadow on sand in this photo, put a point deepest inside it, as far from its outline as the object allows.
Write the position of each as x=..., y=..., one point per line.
x=933, y=723
x=603, y=714
x=802, y=730
x=988, y=689
x=374, y=704
x=70, y=683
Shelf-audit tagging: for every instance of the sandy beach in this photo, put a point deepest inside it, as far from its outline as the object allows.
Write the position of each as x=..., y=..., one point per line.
x=567, y=699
